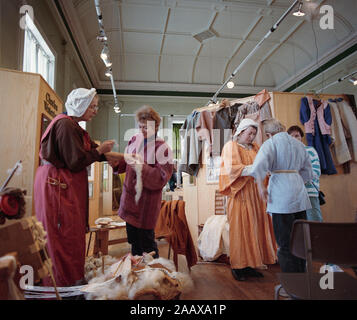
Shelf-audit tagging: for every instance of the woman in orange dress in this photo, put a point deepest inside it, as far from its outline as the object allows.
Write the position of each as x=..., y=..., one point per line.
x=251, y=236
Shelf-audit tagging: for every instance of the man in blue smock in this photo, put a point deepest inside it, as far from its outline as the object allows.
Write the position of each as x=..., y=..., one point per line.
x=286, y=159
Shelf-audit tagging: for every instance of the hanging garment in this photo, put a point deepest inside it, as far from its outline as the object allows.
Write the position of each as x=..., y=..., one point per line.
x=224, y=121
x=287, y=191
x=61, y=196
x=316, y=117
x=211, y=242
x=313, y=186
x=205, y=131
x=172, y=224
x=247, y=108
x=251, y=237
x=192, y=146
x=350, y=98
x=263, y=98
x=340, y=147
x=350, y=122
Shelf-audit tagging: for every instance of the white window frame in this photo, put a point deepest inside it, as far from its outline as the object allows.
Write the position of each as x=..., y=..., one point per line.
x=42, y=47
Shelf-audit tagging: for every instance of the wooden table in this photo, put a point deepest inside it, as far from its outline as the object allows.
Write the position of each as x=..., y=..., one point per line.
x=102, y=241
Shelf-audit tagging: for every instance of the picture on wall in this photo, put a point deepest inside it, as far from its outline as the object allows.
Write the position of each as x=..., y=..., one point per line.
x=213, y=169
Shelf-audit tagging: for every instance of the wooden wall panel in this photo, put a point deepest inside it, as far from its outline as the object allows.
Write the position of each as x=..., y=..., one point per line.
x=18, y=103
x=21, y=97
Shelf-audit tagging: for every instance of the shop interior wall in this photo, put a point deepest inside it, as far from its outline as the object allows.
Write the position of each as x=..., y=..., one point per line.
x=67, y=75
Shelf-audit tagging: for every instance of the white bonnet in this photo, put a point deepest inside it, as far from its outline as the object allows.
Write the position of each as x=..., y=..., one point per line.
x=245, y=124
x=79, y=100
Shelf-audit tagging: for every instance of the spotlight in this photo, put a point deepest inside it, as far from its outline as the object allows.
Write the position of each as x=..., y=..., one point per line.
x=117, y=109
x=353, y=80
x=107, y=63
x=230, y=85
x=102, y=37
x=105, y=53
x=299, y=13
x=109, y=73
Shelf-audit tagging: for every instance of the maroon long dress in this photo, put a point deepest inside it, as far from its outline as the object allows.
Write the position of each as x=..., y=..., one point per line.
x=61, y=196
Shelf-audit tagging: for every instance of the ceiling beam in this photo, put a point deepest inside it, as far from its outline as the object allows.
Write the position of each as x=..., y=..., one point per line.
x=71, y=17
x=121, y=59
x=326, y=63
x=240, y=45
x=275, y=48
x=198, y=52
x=163, y=42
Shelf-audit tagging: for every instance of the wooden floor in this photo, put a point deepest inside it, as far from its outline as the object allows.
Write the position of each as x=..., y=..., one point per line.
x=214, y=281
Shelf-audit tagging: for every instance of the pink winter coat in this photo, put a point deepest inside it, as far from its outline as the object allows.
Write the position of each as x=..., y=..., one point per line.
x=156, y=172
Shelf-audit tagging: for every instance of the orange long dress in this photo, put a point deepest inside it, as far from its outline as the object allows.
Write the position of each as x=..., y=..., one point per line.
x=251, y=235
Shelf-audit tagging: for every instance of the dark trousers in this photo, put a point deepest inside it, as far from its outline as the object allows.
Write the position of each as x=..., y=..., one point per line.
x=283, y=224
x=141, y=240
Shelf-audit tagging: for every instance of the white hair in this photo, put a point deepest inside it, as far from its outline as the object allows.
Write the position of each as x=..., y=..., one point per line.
x=273, y=126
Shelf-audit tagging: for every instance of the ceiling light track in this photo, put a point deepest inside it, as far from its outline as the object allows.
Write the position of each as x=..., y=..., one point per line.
x=105, y=56
x=351, y=79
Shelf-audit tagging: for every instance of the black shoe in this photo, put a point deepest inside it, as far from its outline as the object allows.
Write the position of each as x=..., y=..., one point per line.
x=238, y=274
x=250, y=272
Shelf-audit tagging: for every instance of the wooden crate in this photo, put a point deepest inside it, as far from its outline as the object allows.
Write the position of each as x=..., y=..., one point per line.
x=20, y=237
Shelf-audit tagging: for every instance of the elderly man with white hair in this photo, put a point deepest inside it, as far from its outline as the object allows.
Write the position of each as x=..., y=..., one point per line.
x=286, y=159
x=61, y=185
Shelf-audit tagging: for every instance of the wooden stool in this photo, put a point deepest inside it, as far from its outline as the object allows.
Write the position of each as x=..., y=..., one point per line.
x=102, y=241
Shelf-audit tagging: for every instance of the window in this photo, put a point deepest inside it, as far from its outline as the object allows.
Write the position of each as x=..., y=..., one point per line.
x=174, y=124
x=38, y=57
x=176, y=143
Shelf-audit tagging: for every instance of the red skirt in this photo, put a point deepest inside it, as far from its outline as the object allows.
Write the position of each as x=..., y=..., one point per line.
x=61, y=204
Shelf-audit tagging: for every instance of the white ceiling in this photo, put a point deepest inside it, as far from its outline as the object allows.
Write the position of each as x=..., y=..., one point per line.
x=152, y=45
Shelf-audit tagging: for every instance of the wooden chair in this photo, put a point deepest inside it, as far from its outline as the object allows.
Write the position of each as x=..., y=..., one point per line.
x=322, y=242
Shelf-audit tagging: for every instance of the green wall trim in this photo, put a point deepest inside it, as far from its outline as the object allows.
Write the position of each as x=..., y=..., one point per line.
x=321, y=69
x=172, y=93
x=72, y=38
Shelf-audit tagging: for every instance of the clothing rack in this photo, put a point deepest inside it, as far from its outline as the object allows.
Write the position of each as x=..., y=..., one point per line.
x=229, y=103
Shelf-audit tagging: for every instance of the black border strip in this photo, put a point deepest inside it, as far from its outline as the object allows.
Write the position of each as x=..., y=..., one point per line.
x=58, y=6
x=321, y=69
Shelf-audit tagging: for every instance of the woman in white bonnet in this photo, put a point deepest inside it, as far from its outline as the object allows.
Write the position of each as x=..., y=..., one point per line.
x=251, y=237
x=61, y=185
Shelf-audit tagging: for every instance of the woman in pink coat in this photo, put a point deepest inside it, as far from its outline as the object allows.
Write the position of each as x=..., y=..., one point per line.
x=147, y=170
